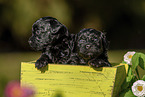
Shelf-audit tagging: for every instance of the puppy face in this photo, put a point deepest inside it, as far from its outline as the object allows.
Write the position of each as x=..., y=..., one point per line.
x=46, y=31
x=89, y=43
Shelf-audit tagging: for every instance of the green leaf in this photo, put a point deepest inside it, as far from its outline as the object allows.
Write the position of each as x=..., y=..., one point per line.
x=129, y=78
x=138, y=60
x=142, y=60
x=129, y=74
x=135, y=61
x=127, y=93
x=125, y=84
x=143, y=78
x=124, y=62
x=128, y=81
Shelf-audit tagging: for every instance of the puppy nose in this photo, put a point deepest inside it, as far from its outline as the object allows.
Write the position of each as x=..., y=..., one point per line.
x=88, y=46
x=30, y=42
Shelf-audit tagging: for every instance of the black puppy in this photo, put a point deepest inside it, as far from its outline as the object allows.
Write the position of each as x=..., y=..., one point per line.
x=53, y=39
x=91, y=47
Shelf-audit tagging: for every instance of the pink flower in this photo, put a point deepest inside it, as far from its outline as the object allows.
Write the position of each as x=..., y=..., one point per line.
x=13, y=89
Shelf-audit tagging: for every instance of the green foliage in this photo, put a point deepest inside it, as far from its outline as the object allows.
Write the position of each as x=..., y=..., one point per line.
x=135, y=62
x=138, y=59
x=128, y=80
x=142, y=61
x=143, y=78
x=123, y=62
x=127, y=93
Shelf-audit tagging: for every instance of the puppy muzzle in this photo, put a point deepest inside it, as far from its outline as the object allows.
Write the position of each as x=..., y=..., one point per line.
x=34, y=45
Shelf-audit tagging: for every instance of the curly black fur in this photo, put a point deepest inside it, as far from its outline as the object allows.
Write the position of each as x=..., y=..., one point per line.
x=59, y=46
x=91, y=48
x=52, y=38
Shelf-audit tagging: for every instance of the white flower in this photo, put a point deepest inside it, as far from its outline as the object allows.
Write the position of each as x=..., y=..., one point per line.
x=138, y=88
x=128, y=57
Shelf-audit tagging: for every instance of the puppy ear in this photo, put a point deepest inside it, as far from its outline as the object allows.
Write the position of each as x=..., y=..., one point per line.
x=63, y=30
x=75, y=43
x=57, y=27
x=105, y=42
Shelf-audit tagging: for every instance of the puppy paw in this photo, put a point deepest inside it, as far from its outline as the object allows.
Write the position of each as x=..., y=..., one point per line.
x=40, y=64
x=94, y=64
x=99, y=63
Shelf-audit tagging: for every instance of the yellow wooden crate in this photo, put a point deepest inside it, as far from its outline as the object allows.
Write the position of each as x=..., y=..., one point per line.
x=73, y=80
